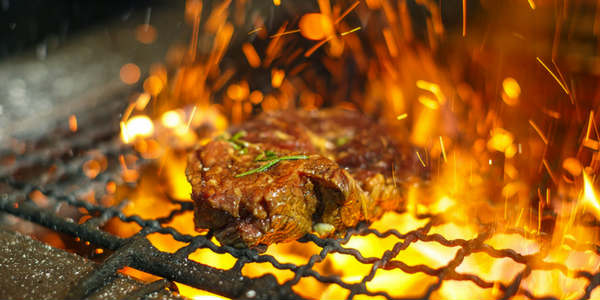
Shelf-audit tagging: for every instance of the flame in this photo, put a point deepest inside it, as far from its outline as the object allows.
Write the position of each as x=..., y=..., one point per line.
x=137, y=127
x=171, y=119
x=434, y=89
x=589, y=200
x=486, y=158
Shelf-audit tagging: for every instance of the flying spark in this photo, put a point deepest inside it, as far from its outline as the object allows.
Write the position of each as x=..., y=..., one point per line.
x=553, y=75
x=187, y=126
x=420, y=159
x=350, y=31
x=352, y=7
x=443, y=149
x=539, y=132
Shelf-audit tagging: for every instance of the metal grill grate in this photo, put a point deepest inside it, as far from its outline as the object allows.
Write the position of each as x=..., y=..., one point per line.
x=138, y=252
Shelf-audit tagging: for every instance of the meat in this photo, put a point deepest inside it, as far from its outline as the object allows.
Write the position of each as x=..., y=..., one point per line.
x=283, y=174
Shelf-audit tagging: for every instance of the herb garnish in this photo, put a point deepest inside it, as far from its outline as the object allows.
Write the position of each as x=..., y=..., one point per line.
x=272, y=159
x=237, y=143
x=266, y=156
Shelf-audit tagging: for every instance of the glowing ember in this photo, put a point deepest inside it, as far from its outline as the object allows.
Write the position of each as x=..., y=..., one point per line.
x=73, y=123
x=130, y=73
x=137, y=127
x=512, y=91
x=316, y=26
x=171, y=119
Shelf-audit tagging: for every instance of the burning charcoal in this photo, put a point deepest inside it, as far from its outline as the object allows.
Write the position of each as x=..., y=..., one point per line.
x=283, y=174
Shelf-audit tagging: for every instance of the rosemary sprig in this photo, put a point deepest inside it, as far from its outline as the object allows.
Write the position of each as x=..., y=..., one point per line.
x=266, y=156
x=271, y=162
x=237, y=143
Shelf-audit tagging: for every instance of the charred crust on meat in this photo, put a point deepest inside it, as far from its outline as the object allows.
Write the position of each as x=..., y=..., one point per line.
x=344, y=171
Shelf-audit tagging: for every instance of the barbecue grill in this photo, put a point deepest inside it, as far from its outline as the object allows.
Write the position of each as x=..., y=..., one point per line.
x=137, y=252
x=80, y=184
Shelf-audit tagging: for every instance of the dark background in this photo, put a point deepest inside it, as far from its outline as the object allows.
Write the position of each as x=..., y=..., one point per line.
x=27, y=23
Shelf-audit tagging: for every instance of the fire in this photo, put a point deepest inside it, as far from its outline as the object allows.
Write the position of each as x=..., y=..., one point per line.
x=495, y=159
x=589, y=199
x=171, y=119
x=434, y=89
x=137, y=127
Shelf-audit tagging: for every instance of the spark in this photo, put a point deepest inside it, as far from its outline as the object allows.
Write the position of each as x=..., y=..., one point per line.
x=251, y=55
x=142, y=101
x=540, y=206
x=433, y=88
x=531, y=4
x=314, y=48
x=389, y=41
x=563, y=80
x=285, y=33
x=277, y=76
x=122, y=161
x=124, y=132
x=420, y=159
x=350, y=31
x=73, y=123
x=547, y=166
x=589, y=127
x=519, y=217
x=539, y=132
x=402, y=117
x=551, y=113
x=255, y=30
x=187, y=126
x=428, y=102
x=464, y=18
x=443, y=149
x=194, y=41
x=128, y=111
x=553, y=75
x=273, y=46
x=345, y=13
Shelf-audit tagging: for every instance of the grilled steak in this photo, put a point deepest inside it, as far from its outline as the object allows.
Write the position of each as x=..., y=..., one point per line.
x=279, y=176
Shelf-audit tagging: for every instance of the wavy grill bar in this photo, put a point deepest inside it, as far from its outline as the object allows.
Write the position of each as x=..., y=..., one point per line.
x=138, y=252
